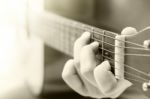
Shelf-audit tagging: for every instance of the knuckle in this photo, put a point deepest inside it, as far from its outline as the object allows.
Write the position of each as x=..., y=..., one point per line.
x=77, y=42
x=77, y=63
x=86, y=49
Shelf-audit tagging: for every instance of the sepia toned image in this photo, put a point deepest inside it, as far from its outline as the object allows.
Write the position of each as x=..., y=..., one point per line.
x=74, y=49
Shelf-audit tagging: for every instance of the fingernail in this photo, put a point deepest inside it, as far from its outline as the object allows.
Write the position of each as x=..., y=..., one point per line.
x=106, y=62
x=86, y=34
x=96, y=44
x=107, y=65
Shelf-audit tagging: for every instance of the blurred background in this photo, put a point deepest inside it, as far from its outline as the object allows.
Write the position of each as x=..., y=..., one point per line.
x=29, y=67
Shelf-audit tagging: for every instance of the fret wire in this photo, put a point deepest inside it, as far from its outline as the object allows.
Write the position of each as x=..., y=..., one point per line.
x=72, y=39
x=63, y=38
x=105, y=42
x=57, y=37
x=103, y=46
x=61, y=33
x=108, y=50
x=68, y=40
x=92, y=37
x=92, y=34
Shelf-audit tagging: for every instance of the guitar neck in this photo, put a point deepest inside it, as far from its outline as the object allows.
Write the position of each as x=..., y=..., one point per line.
x=61, y=33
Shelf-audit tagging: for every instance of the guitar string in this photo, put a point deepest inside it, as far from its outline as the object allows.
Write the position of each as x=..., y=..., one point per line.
x=128, y=54
x=134, y=75
x=140, y=79
x=120, y=46
x=135, y=80
x=118, y=39
x=127, y=66
x=131, y=54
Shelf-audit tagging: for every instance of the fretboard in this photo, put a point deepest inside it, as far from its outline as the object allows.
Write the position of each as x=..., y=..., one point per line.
x=60, y=33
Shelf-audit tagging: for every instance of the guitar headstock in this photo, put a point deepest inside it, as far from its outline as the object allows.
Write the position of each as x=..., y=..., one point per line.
x=137, y=60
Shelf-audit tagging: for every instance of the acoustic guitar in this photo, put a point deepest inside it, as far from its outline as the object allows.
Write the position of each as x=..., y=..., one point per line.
x=61, y=33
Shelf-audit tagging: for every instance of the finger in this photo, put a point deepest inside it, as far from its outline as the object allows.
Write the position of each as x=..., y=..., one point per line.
x=104, y=78
x=71, y=77
x=129, y=31
x=88, y=61
x=80, y=42
x=107, y=82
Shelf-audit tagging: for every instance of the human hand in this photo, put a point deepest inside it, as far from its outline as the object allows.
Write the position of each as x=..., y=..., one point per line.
x=87, y=76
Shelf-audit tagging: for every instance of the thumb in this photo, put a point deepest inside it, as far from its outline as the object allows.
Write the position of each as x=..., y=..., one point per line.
x=107, y=82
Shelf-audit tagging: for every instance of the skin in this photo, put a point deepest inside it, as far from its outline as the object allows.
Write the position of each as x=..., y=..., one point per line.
x=88, y=76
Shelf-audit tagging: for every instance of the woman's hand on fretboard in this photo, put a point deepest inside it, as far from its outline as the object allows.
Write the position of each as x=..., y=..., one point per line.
x=89, y=76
